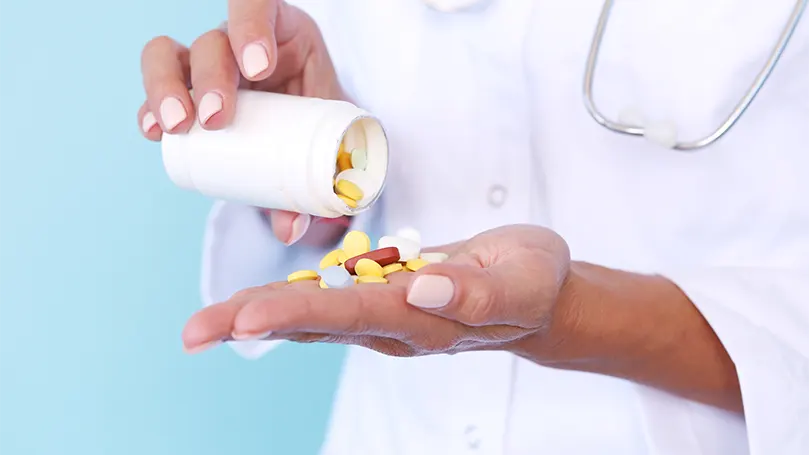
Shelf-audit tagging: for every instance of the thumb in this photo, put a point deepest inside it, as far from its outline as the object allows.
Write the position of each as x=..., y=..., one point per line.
x=463, y=290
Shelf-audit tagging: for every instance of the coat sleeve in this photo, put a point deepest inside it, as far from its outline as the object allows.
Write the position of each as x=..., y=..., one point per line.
x=761, y=315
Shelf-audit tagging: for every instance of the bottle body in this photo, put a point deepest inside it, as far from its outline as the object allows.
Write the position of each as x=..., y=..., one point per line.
x=280, y=152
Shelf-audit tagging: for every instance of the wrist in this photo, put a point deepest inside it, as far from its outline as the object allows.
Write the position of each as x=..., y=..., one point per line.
x=602, y=316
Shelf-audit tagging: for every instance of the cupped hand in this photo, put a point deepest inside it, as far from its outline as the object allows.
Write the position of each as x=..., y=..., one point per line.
x=266, y=45
x=496, y=289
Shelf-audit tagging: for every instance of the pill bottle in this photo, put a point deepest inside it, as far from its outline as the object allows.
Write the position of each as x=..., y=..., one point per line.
x=280, y=152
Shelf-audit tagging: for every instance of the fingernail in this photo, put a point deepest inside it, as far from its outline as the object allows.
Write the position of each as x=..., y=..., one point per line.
x=255, y=59
x=173, y=112
x=209, y=105
x=148, y=122
x=202, y=347
x=250, y=336
x=431, y=291
x=299, y=227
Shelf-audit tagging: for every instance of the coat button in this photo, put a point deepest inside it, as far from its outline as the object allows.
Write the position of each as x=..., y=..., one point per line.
x=497, y=196
x=454, y=6
x=472, y=436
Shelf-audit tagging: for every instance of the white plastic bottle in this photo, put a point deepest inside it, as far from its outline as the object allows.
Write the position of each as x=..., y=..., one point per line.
x=280, y=152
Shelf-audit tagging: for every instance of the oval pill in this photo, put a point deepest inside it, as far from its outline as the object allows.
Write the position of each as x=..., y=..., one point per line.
x=382, y=256
x=332, y=258
x=408, y=249
x=343, y=161
x=359, y=159
x=336, y=277
x=367, y=267
x=323, y=285
x=371, y=279
x=409, y=233
x=302, y=275
x=392, y=268
x=349, y=202
x=434, y=258
x=356, y=243
x=416, y=264
x=349, y=189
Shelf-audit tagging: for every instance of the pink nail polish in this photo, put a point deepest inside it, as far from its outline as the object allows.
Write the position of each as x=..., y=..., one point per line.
x=431, y=291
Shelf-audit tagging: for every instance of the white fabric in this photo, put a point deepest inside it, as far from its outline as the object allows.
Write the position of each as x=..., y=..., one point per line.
x=487, y=126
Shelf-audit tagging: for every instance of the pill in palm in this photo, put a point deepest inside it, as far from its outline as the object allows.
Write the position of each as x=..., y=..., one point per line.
x=323, y=285
x=359, y=159
x=349, y=189
x=367, y=267
x=302, y=275
x=415, y=264
x=435, y=257
x=408, y=249
x=410, y=234
x=335, y=257
x=382, y=256
x=356, y=243
x=371, y=279
x=336, y=277
x=392, y=268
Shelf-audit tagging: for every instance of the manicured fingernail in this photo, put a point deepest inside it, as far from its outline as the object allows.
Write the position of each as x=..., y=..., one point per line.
x=431, y=291
x=173, y=112
x=299, y=227
x=209, y=105
x=250, y=336
x=255, y=59
x=202, y=347
x=148, y=122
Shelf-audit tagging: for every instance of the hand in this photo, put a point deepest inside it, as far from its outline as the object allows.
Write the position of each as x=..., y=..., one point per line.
x=496, y=289
x=267, y=45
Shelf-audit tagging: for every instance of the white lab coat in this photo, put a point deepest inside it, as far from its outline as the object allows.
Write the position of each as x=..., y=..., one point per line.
x=485, y=115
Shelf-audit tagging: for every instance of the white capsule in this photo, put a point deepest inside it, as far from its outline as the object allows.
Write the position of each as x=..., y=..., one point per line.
x=410, y=234
x=434, y=258
x=408, y=249
x=663, y=134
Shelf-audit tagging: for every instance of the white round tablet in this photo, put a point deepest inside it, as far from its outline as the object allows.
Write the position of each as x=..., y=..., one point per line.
x=410, y=234
x=408, y=249
x=359, y=159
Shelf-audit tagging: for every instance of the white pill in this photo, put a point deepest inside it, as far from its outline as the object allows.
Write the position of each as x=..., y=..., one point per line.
x=336, y=277
x=408, y=249
x=434, y=258
x=663, y=134
x=359, y=159
x=409, y=233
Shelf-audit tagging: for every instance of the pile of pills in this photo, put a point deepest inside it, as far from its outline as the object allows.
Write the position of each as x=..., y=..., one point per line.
x=357, y=263
x=350, y=175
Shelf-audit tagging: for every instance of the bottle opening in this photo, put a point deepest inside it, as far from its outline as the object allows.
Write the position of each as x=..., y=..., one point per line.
x=361, y=166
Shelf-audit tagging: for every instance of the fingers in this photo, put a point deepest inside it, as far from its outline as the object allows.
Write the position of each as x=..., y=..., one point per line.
x=289, y=227
x=215, y=78
x=462, y=290
x=251, y=27
x=166, y=70
x=148, y=124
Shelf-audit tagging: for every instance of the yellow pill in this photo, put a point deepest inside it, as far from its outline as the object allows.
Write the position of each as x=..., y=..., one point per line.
x=343, y=161
x=392, y=268
x=415, y=264
x=356, y=243
x=323, y=285
x=302, y=275
x=333, y=258
x=367, y=267
x=371, y=279
x=355, y=278
x=349, y=189
x=349, y=202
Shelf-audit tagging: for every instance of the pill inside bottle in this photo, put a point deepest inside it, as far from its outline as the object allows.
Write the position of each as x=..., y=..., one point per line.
x=285, y=152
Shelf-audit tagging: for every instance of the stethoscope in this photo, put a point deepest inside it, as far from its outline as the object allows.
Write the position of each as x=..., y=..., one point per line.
x=630, y=122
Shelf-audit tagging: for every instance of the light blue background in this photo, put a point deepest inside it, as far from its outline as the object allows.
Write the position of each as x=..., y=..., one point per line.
x=99, y=259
